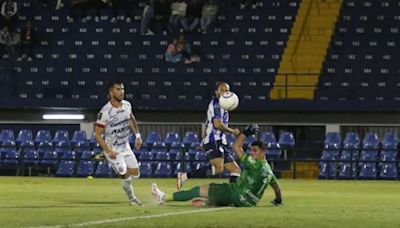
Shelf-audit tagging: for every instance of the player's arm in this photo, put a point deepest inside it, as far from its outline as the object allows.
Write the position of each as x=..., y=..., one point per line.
x=222, y=127
x=277, y=190
x=134, y=126
x=98, y=132
x=238, y=144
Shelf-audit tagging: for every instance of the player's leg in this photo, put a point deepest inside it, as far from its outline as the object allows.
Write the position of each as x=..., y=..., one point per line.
x=160, y=197
x=133, y=173
x=215, y=154
x=231, y=166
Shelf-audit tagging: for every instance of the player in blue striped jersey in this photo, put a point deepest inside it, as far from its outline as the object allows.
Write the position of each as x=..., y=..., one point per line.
x=214, y=143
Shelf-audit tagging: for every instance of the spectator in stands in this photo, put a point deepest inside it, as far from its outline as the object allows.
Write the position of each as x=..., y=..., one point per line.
x=147, y=16
x=172, y=55
x=9, y=39
x=9, y=10
x=28, y=40
x=78, y=8
x=193, y=15
x=178, y=11
x=244, y=3
x=184, y=48
x=209, y=14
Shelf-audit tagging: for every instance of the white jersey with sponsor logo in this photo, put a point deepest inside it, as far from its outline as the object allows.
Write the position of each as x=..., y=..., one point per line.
x=115, y=121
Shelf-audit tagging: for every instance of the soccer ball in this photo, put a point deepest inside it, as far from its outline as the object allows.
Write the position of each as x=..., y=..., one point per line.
x=229, y=101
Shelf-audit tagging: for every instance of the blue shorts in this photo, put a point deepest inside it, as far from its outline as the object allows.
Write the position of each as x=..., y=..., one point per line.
x=218, y=150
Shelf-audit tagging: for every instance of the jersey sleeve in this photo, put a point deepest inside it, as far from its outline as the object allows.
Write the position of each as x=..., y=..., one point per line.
x=248, y=161
x=101, y=119
x=273, y=180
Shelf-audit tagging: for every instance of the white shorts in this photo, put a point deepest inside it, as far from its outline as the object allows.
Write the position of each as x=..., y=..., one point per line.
x=122, y=162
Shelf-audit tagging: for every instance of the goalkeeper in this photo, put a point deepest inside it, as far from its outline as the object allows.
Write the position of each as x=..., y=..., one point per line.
x=246, y=192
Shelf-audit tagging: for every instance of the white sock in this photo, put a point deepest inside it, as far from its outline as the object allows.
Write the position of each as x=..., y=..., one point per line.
x=127, y=186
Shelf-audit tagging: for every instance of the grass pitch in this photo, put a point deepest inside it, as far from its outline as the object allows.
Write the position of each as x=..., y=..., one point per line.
x=39, y=201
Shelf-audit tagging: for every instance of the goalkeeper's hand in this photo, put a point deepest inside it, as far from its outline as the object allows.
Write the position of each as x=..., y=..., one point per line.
x=277, y=202
x=250, y=130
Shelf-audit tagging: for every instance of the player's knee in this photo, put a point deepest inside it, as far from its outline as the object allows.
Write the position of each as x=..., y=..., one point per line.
x=135, y=173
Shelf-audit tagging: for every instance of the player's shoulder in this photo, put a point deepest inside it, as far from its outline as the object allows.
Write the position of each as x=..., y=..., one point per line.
x=126, y=104
x=106, y=107
x=215, y=103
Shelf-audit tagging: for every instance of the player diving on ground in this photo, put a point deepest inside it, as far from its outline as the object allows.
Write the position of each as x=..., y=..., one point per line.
x=246, y=192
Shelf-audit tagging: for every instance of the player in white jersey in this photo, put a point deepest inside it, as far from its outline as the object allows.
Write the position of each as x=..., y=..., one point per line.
x=214, y=143
x=116, y=121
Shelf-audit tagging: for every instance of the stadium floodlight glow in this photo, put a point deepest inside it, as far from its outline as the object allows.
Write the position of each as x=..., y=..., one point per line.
x=63, y=117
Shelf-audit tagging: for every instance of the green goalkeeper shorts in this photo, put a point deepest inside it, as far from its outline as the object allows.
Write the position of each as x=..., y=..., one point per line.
x=220, y=195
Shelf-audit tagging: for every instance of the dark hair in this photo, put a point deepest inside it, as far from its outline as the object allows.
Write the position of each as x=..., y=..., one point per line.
x=112, y=83
x=218, y=84
x=259, y=144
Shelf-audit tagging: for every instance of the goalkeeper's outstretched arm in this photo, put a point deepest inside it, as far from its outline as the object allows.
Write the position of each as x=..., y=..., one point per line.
x=238, y=145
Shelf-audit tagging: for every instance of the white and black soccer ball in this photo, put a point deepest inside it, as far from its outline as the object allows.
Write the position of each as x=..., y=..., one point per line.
x=229, y=101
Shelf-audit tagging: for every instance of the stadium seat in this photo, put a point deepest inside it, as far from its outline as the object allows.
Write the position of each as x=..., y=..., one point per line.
x=199, y=165
x=103, y=170
x=152, y=137
x=182, y=156
x=23, y=136
x=388, y=171
x=332, y=140
x=200, y=156
x=61, y=136
x=328, y=169
x=369, y=155
x=286, y=139
x=11, y=157
x=44, y=146
x=85, y=168
x=163, y=170
x=368, y=171
x=6, y=135
x=68, y=155
x=146, y=169
x=61, y=147
x=274, y=151
x=190, y=137
x=87, y=154
x=371, y=141
x=163, y=156
x=146, y=156
x=351, y=141
x=42, y=136
x=346, y=172
x=181, y=167
x=78, y=137
x=65, y=169
x=390, y=141
x=268, y=137
x=249, y=140
x=30, y=155
x=171, y=137
x=230, y=139
x=388, y=156
x=80, y=147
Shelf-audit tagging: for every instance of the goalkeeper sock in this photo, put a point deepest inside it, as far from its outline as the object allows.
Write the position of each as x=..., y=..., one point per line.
x=233, y=177
x=205, y=171
x=127, y=186
x=187, y=195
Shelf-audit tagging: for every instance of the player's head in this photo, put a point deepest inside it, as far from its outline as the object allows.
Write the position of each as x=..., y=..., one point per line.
x=221, y=88
x=258, y=149
x=115, y=90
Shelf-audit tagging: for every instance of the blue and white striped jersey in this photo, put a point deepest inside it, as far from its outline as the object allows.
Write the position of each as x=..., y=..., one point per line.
x=215, y=112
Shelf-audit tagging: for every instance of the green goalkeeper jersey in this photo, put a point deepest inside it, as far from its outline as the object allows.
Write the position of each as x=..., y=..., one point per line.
x=254, y=179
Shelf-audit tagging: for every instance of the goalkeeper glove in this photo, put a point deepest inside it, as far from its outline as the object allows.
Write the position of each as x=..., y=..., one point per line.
x=250, y=130
x=277, y=202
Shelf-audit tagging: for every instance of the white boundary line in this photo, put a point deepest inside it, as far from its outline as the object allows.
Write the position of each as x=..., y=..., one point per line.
x=98, y=222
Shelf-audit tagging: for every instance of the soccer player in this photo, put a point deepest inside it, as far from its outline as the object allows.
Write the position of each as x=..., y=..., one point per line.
x=215, y=143
x=116, y=121
x=246, y=192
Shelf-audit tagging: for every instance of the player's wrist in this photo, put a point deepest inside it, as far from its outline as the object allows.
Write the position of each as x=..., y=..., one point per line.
x=138, y=136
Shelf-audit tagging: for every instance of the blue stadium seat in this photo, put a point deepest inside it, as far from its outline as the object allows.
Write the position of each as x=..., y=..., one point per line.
x=388, y=156
x=332, y=140
x=146, y=169
x=171, y=137
x=61, y=136
x=268, y=137
x=274, y=151
x=163, y=170
x=388, y=171
x=390, y=141
x=23, y=136
x=368, y=171
x=61, y=147
x=49, y=157
x=85, y=168
x=11, y=157
x=152, y=137
x=181, y=167
x=163, y=156
x=286, y=139
x=249, y=140
x=369, y=155
x=189, y=138
x=78, y=137
x=328, y=169
x=199, y=165
x=68, y=155
x=371, y=141
x=7, y=135
x=103, y=170
x=31, y=156
x=200, y=156
x=42, y=136
x=146, y=156
x=87, y=154
x=65, y=169
x=80, y=147
x=351, y=141
x=346, y=172
x=182, y=156
x=44, y=146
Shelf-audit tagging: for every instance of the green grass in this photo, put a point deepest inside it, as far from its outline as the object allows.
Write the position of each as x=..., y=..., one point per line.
x=35, y=201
